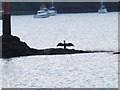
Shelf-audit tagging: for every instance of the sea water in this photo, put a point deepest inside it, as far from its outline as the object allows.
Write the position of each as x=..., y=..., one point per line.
x=87, y=31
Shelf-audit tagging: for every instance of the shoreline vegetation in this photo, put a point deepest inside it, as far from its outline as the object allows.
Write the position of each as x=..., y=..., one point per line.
x=28, y=8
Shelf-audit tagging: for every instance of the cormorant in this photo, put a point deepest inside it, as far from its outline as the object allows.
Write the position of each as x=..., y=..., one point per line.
x=65, y=44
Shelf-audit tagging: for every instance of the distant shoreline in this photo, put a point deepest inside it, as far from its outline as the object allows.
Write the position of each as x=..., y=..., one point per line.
x=61, y=7
x=33, y=12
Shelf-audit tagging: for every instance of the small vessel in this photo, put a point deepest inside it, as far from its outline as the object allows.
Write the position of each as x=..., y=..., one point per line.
x=52, y=11
x=42, y=13
x=102, y=8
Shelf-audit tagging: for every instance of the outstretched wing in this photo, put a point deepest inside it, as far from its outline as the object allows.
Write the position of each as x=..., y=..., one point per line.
x=69, y=44
x=60, y=44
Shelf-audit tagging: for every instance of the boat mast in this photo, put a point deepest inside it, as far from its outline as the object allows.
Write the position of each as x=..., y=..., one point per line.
x=101, y=3
x=52, y=3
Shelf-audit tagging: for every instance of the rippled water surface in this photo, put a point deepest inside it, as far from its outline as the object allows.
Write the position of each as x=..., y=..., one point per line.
x=86, y=31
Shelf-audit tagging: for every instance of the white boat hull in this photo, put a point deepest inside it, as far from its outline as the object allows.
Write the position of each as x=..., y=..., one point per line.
x=102, y=11
x=41, y=16
x=52, y=13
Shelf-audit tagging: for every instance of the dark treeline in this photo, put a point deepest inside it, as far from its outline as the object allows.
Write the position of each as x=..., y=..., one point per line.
x=61, y=7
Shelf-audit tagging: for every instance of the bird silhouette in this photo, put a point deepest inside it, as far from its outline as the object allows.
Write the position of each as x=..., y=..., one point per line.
x=65, y=44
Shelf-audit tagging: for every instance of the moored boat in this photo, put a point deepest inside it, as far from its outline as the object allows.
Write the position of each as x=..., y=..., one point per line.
x=102, y=8
x=52, y=11
x=42, y=13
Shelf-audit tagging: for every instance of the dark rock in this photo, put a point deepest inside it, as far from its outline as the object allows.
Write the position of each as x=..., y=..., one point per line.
x=117, y=53
x=9, y=38
x=57, y=51
x=13, y=47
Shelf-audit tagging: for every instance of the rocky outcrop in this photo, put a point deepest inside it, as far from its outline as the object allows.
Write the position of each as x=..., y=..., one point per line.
x=13, y=47
x=57, y=51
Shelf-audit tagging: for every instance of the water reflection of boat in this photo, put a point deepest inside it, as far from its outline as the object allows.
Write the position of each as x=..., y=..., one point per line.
x=42, y=13
x=102, y=8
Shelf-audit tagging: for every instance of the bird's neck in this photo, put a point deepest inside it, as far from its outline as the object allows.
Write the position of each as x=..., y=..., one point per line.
x=64, y=42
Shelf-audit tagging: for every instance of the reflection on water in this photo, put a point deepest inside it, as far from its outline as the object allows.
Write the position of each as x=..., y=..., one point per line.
x=74, y=71
x=86, y=31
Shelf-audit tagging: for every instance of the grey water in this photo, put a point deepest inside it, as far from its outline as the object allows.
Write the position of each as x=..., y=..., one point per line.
x=87, y=31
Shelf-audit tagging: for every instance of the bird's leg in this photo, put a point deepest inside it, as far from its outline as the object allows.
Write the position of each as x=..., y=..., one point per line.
x=64, y=46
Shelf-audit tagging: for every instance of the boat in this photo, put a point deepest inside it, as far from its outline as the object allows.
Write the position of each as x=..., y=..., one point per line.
x=102, y=8
x=52, y=11
x=42, y=13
